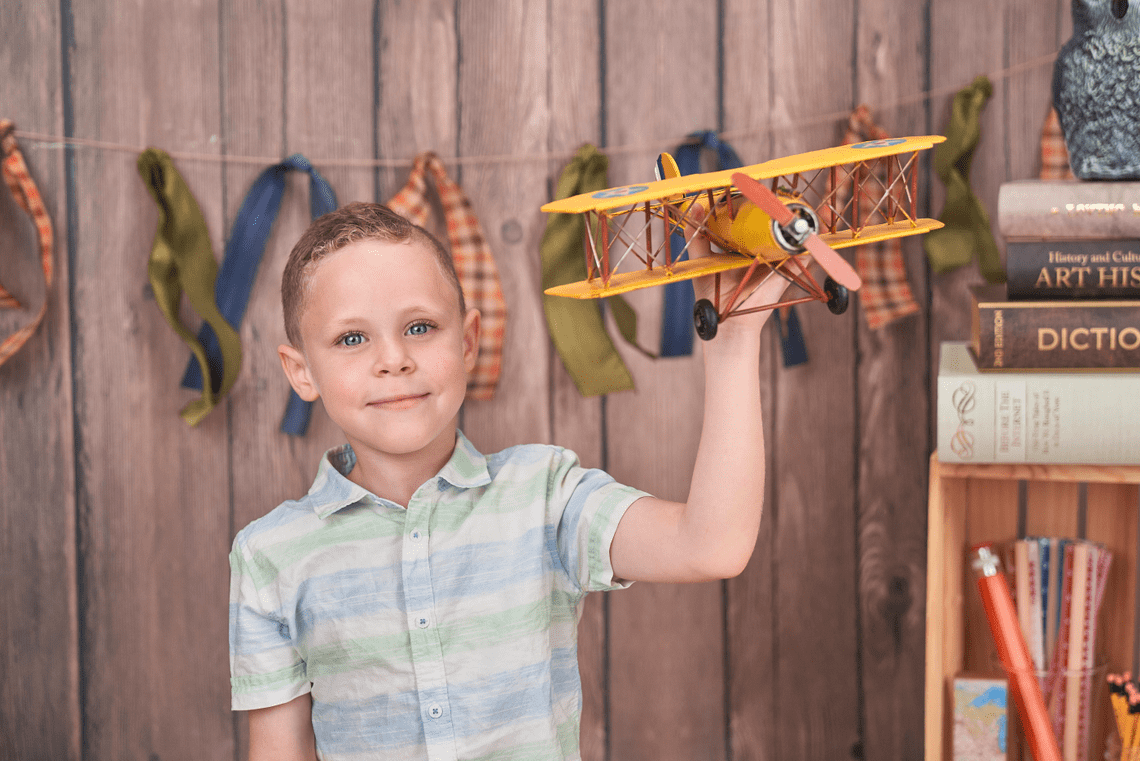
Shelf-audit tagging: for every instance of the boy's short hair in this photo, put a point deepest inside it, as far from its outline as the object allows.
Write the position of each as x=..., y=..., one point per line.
x=349, y=224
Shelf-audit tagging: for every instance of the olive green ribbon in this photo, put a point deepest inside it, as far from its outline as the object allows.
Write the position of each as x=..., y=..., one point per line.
x=182, y=260
x=967, y=226
x=576, y=325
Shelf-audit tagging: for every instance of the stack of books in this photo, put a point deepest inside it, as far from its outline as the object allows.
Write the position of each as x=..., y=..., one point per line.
x=1051, y=373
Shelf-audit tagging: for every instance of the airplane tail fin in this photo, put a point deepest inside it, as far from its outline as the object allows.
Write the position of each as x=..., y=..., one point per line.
x=666, y=168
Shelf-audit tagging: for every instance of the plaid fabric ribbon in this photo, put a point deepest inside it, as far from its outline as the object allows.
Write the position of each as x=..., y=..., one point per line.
x=27, y=195
x=1054, y=154
x=885, y=295
x=473, y=262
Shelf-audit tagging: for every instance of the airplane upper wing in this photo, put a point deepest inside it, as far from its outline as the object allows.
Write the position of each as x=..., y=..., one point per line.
x=629, y=195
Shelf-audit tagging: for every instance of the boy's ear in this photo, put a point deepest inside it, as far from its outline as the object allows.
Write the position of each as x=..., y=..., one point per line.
x=471, y=338
x=297, y=371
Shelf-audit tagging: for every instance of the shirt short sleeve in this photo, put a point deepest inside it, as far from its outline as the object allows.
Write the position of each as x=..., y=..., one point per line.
x=265, y=667
x=587, y=505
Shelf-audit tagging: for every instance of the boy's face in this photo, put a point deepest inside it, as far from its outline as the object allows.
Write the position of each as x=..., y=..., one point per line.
x=385, y=347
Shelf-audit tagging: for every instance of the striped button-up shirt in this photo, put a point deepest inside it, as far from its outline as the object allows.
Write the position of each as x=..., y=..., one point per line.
x=445, y=630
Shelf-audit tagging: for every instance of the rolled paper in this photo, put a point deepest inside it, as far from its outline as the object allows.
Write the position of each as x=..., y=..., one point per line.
x=1014, y=654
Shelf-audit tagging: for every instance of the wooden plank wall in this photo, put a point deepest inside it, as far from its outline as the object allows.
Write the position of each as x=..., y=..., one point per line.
x=116, y=519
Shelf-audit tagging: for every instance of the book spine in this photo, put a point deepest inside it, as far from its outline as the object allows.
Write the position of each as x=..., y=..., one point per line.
x=1073, y=269
x=1061, y=334
x=1036, y=639
x=1039, y=418
x=1069, y=209
x=1056, y=692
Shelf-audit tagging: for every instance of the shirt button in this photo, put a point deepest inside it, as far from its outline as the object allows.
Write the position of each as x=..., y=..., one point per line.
x=416, y=536
x=422, y=622
x=435, y=711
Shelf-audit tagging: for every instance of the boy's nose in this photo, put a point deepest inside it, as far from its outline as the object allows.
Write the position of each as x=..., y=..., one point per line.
x=392, y=358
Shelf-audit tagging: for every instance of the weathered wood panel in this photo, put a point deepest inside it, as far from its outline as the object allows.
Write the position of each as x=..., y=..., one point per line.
x=39, y=693
x=891, y=401
x=661, y=635
x=152, y=493
x=509, y=76
x=814, y=468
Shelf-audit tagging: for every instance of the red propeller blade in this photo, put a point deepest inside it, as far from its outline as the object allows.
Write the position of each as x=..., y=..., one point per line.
x=768, y=201
x=832, y=263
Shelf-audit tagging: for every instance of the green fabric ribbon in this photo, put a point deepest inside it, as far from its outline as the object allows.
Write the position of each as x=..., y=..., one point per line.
x=576, y=325
x=967, y=227
x=182, y=260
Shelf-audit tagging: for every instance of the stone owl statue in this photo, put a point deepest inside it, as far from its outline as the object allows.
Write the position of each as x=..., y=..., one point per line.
x=1096, y=90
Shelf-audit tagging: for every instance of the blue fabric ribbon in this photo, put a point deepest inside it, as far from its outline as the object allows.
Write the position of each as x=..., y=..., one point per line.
x=243, y=255
x=791, y=338
x=677, y=320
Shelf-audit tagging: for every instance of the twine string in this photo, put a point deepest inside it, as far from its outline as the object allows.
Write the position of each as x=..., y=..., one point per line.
x=60, y=141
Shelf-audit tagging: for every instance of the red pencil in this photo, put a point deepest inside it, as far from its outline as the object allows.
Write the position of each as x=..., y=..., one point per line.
x=1014, y=654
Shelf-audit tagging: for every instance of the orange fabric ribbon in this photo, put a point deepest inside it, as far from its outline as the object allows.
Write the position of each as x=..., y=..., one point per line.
x=473, y=262
x=27, y=195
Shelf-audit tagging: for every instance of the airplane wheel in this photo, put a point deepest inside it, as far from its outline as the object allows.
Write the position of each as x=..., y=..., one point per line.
x=705, y=319
x=837, y=296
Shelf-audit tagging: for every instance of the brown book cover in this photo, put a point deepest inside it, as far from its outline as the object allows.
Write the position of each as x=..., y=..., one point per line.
x=1077, y=334
x=1069, y=209
x=1072, y=269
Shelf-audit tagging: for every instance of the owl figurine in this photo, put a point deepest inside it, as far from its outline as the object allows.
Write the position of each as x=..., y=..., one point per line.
x=1096, y=90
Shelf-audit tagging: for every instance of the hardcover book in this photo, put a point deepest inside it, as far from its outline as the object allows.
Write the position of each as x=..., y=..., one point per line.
x=1063, y=335
x=1035, y=417
x=1069, y=209
x=1072, y=269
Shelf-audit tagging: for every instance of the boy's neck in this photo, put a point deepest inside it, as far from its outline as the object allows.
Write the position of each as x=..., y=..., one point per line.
x=396, y=477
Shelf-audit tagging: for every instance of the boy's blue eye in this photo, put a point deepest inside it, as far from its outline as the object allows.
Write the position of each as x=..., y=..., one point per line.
x=352, y=339
x=419, y=328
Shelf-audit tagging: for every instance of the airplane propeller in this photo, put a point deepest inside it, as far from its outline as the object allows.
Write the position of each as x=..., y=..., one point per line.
x=768, y=202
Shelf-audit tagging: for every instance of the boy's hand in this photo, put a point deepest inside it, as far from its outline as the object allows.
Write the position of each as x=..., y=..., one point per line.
x=763, y=287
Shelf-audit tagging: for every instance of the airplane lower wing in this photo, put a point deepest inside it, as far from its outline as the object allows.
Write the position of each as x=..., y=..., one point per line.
x=631, y=281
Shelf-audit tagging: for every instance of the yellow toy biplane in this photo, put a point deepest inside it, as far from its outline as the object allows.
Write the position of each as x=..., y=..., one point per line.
x=813, y=204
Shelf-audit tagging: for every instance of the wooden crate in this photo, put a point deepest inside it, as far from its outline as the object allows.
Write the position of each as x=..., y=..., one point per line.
x=971, y=504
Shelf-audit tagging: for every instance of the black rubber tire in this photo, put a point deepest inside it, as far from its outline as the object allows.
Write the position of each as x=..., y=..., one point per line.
x=837, y=296
x=705, y=319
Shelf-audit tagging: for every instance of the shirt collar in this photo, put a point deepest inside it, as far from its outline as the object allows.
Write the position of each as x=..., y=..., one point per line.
x=332, y=490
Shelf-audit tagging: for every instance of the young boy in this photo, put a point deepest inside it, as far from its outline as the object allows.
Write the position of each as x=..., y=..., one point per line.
x=422, y=600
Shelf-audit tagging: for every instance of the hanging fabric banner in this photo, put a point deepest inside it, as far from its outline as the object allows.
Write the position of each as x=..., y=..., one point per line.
x=27, y=195
x=182, y=261
x=967, y=226
x=474, y=263
x=576, y=325
x=243, y=255
x=792, y=346
x=885, y=295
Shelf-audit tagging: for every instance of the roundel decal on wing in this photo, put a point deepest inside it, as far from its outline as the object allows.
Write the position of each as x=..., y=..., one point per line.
x=879, y=143
x=627, y=190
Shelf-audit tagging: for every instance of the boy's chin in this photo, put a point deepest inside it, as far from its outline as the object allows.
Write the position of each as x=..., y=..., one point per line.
x=419, y=442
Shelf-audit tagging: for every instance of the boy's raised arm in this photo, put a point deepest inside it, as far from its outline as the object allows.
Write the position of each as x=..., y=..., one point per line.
x=283, y=732
x=712, y=535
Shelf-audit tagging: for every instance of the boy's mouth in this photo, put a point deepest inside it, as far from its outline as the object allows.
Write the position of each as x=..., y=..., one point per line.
x=402, y=402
